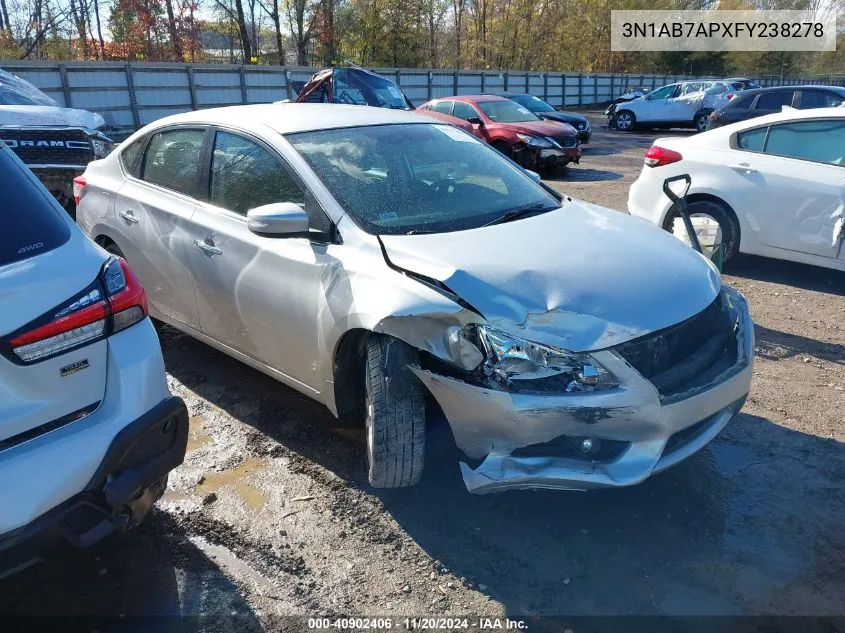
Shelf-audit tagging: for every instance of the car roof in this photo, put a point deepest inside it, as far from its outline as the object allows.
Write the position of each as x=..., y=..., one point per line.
x=476, y=98
x=755, y=91
x=710, y=137
x=289, y=118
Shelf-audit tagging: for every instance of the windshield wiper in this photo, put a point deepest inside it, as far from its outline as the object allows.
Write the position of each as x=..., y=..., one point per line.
x=520, y=212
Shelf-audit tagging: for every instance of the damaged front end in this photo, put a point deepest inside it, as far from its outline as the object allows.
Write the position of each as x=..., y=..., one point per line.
x=532, y=415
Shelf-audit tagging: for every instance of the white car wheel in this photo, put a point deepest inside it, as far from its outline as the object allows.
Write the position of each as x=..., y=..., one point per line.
x=625, y=120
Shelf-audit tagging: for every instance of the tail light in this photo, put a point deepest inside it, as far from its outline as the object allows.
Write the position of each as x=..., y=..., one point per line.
x=657, y=156
x=78, y=188
x=113, y=302
x=730, y=95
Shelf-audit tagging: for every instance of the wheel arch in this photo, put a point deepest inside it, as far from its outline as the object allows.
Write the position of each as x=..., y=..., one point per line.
x=348, y=362
x=699, y=196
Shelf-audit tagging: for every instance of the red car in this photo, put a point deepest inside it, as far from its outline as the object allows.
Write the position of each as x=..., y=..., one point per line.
x=514, y=130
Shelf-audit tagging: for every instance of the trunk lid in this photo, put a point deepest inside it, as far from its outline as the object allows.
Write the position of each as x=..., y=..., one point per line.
x=581, y=278
x=47, y=391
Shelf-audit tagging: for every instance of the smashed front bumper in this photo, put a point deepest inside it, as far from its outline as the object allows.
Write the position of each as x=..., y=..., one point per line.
x=514, y=438
x=542, y=159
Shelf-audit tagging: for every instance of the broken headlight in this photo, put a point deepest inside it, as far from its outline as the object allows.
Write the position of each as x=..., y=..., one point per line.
x=102, y=147
x=508, y=358
x=536, y=141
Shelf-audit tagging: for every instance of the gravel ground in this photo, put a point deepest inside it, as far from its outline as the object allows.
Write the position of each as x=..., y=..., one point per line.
x=271, y=513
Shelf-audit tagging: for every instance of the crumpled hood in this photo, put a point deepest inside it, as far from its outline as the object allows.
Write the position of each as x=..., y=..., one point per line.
x=48, y=116
x=555, y=129
x=580, y=278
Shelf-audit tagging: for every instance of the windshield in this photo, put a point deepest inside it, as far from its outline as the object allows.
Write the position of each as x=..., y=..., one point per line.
x=535, y=104
x=506, y=112
x=17, y=91
x=358, y=87
x=417, y=178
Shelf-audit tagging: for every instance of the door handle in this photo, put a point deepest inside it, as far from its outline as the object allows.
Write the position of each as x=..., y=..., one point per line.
x=205, y=247
x=129, y=217
x=746, y=167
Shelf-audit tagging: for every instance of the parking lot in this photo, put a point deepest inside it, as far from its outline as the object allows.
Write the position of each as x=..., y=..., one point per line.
x=271, y=513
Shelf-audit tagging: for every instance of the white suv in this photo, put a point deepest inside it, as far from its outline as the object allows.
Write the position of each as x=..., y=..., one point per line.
x=88, y=428
x=685, y=104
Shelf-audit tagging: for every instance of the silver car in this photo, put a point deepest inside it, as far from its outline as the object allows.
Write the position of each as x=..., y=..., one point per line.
x=376, y=259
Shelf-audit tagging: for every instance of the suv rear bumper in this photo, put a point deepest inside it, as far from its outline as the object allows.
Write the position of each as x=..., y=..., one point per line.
x=129, y=480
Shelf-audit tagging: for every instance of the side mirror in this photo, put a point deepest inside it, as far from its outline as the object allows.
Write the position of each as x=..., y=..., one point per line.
x=278, y=218
x=475, y=120
x=533, y=175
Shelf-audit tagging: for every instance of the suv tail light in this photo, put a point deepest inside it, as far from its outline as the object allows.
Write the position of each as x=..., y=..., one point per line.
x=730, y=95
x=78, y=188
x=113, y=302
x=657, y=156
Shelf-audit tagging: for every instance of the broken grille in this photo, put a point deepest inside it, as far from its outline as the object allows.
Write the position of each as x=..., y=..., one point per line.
x=687, y=355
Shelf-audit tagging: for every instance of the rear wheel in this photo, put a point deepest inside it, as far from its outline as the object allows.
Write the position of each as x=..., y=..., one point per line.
x=700, y=121
x=714, y=224
x=394, y=414
x=625, y=120
x=114, y=249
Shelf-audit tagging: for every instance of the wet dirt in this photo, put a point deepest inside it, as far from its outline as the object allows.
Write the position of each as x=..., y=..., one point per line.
x=271, y=513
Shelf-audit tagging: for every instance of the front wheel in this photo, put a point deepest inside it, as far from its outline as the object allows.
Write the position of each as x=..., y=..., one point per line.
x=625, y=120
x=394, y=414
x=713, y=223
x=504, y=148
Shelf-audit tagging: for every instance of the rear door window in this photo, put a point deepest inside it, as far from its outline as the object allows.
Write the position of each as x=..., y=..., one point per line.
x=172, y=159
x=33, y=225
x=129, y=155
x=819, y=99
x=773, y=101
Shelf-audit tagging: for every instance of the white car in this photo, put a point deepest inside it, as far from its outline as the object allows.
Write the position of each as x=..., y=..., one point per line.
x=88, y=428
x=771, y=186
x=684, y=104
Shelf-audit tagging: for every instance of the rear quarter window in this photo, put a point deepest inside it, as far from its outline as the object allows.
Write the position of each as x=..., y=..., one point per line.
x=130, y=155
x=32, y=224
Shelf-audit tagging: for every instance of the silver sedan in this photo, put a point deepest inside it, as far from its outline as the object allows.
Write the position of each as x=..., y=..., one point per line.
x=374, y=259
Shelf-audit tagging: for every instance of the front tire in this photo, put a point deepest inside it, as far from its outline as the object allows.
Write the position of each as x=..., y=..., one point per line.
x=625, y=120
x=504, y=148
x=394, y=414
